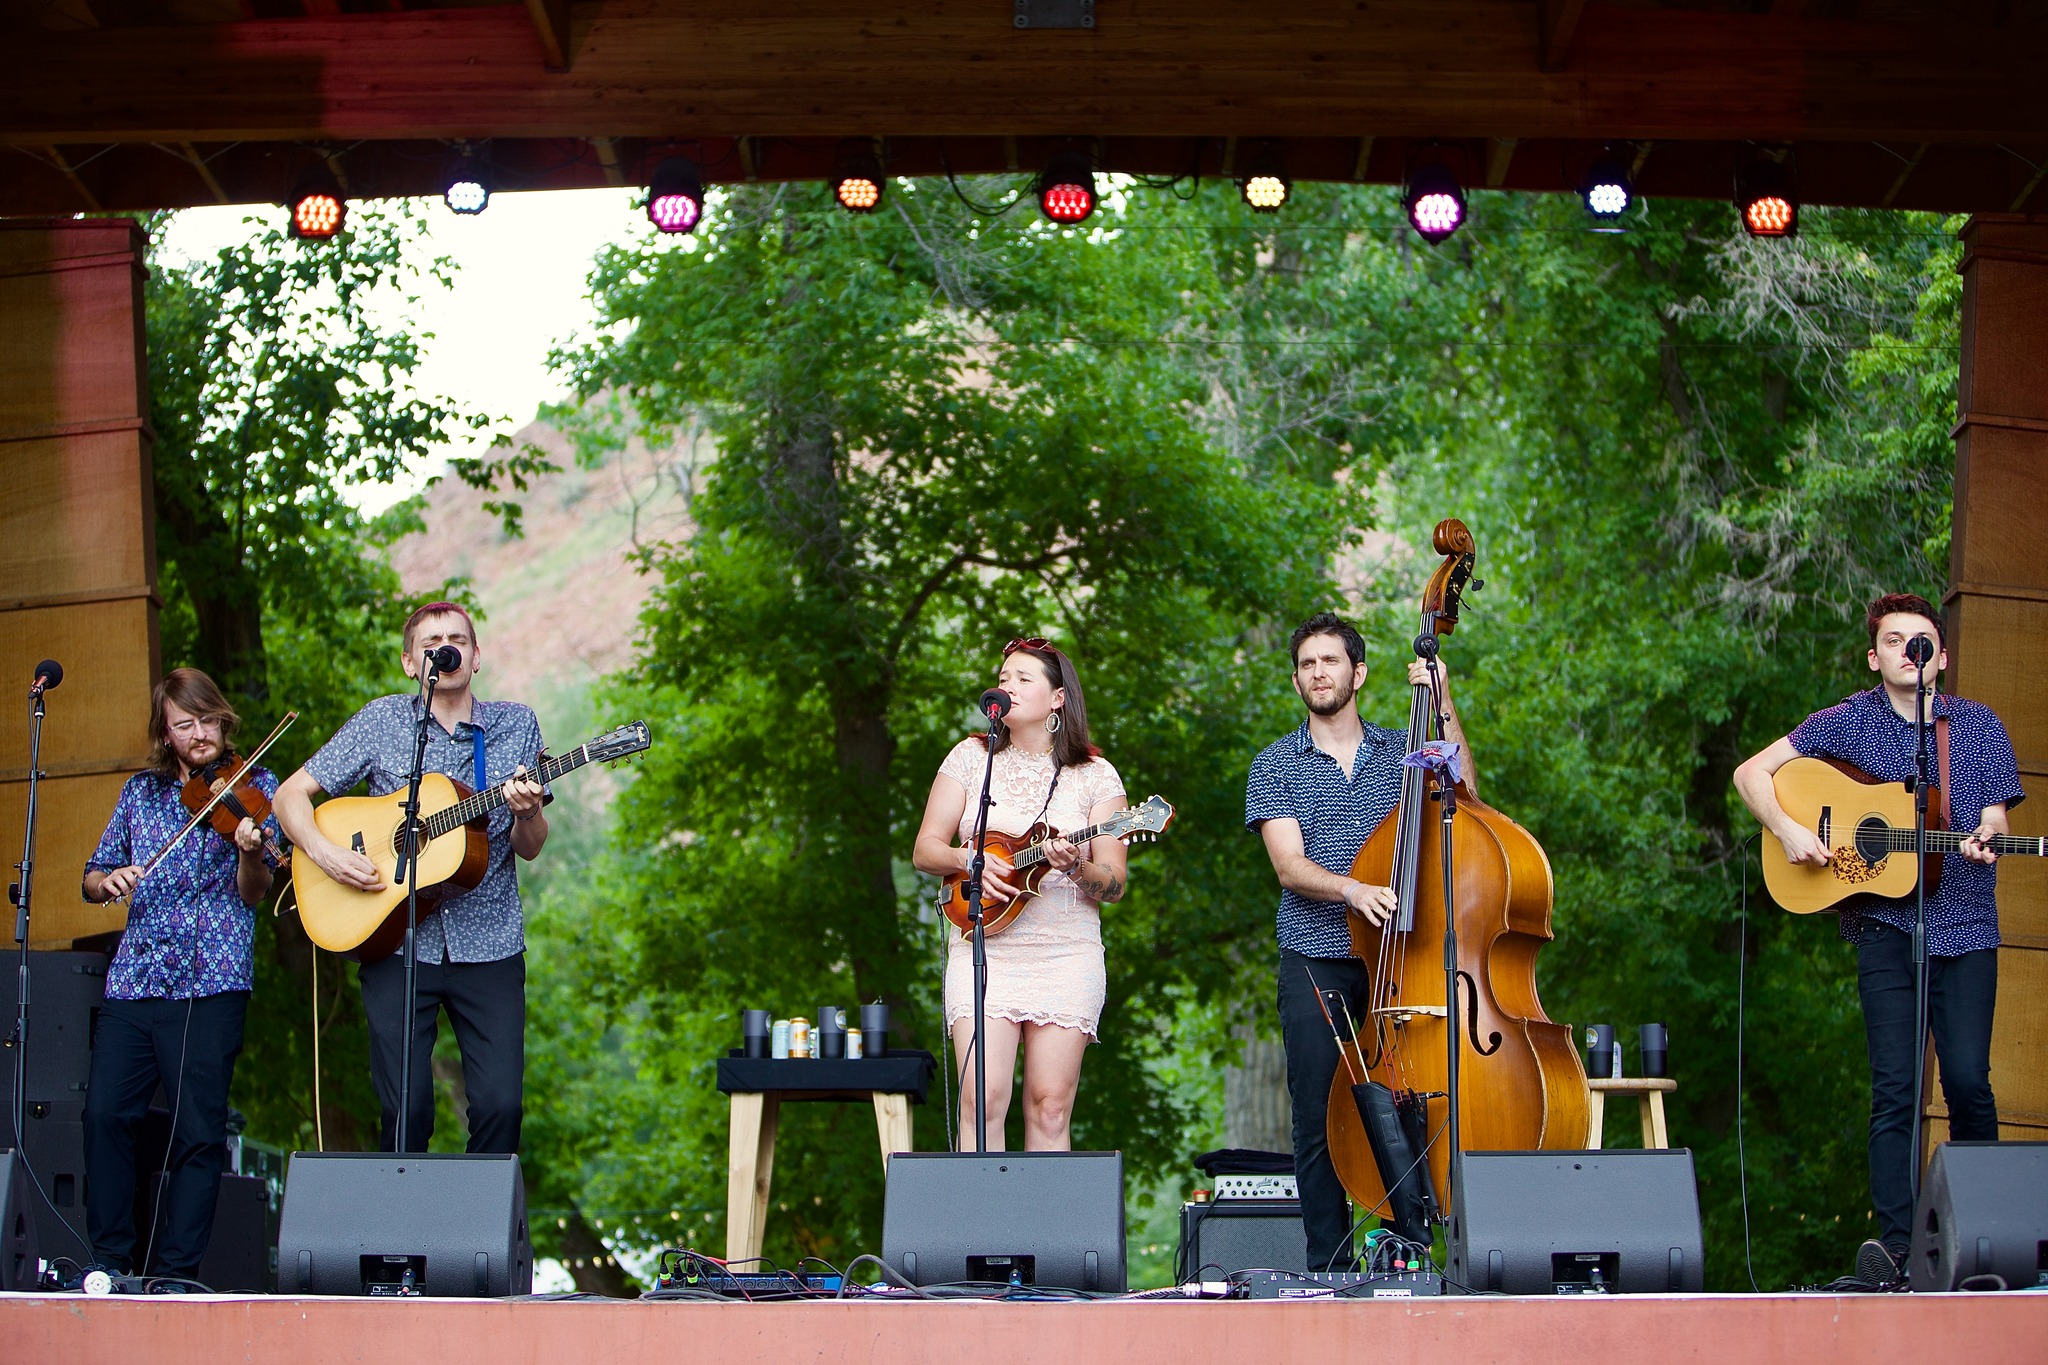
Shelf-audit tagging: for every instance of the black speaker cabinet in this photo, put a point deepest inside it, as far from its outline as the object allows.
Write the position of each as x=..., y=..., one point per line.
x=1046, y=1218
x=18, y=1265
x=56, y=1150
x=1577, y=1222
x=449, y=1226
x=1241, y=1234
x=1983, y=1211
x=65, y=990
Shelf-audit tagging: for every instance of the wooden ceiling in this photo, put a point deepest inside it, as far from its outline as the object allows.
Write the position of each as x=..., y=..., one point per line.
x=138, y=104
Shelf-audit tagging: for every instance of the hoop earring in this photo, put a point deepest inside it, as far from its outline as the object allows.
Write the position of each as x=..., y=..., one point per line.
x=1052, y=722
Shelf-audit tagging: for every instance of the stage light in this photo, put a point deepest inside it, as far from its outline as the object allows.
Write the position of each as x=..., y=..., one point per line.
x=1267, y=187
x=1066, y=189
x=859, y=182
x=1606, y=191
x=1765, y=199
x=318, y=209
x=1435, y=202
x=675, y=195
x=468, y=191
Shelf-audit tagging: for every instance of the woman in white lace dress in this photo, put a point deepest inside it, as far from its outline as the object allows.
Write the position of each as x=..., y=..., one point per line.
x=1045, y=975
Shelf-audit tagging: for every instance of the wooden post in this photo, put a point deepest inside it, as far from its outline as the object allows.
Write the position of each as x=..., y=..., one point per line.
x=77, y=544
x=1997, y=606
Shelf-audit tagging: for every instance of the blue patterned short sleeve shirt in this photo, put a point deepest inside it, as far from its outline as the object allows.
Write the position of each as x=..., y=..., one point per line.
x=1292, y=779
x=483, y=925
x=189, y=934
x=1865, y=730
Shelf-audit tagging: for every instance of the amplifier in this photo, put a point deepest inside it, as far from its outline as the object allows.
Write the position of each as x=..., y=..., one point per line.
x=1274, y=1284
x=1255, y=1187
x=1241, y=1234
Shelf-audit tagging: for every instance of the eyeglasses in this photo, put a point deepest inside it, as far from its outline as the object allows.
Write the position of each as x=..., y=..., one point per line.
x=1033, y=642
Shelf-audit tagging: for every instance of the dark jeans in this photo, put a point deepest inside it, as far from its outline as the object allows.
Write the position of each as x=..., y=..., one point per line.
x=1961, y=995
x=1311, y=1065
x=190, y=1047
x=486, y=1004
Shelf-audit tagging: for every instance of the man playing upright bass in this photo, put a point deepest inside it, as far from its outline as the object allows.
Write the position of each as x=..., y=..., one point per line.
x=1877, y=732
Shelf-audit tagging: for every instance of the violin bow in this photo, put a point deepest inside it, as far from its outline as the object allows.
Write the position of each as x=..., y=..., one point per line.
x=207, y=809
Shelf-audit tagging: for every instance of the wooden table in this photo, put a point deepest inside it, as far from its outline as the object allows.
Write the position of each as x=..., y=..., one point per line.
x=1650, y=1090
x=758, y=1087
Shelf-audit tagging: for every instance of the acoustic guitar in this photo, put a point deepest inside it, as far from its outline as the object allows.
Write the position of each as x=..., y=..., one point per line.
x=1867, y=825
x=1026, y=853
x=454, y=849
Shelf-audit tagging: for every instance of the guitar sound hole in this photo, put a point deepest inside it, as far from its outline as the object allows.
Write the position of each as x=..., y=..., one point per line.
x=1870, y=837
x=398, y=838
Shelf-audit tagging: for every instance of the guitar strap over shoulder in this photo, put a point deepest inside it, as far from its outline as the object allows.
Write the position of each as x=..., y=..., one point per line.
x=1941, y=767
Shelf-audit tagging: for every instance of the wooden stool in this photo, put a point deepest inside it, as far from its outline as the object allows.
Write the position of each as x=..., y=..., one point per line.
x=758, y=1086
x=1651, y=1090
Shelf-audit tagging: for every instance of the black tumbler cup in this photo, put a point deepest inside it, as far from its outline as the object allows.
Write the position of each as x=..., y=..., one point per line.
x=754, y=1029
x=1656, y=1050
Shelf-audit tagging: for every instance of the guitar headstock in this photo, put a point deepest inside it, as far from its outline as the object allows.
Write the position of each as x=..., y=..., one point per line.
x=1146, y=821
x=623, y=742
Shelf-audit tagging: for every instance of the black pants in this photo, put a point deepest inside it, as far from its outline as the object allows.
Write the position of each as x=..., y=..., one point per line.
x=1962, y=992
x=190, y=1047
x=486, y=1004
x=1311, y=1065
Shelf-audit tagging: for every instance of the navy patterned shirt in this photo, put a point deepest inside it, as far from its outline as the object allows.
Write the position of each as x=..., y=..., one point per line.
x=483, y=925
x=188, y=931
x=1865, y=730
x=1294, y=780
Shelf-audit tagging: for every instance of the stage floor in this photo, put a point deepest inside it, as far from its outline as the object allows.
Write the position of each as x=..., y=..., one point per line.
x=1801, y=1329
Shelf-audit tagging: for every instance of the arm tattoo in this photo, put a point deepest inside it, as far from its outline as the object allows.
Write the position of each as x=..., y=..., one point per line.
x=1099, y=882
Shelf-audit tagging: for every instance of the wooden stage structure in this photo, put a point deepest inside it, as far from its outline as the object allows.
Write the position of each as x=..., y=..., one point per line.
x=1774, y=1329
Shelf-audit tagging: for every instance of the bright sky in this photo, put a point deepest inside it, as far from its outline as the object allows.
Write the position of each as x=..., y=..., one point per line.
x=519, y=290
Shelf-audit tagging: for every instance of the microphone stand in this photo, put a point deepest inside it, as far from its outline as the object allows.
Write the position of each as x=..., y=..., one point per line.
x=1921, y=705
x=980, y=951
x=20, y=892
x=408, y=875
x=1426, y=649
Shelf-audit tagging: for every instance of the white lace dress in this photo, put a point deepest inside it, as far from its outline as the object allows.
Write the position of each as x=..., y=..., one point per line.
x=1046, y=968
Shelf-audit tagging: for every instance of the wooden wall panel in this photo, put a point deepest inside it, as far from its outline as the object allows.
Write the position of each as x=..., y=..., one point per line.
x=1997, y=605
x=77, y=543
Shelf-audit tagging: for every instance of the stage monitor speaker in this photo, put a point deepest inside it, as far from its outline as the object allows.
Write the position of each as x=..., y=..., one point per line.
x=448, y=1226
x=1250, y=1234
x=1043, y=1218
x=19, y=1267
x=1983, y=1212
x=1561, y=1222
x=65, y=991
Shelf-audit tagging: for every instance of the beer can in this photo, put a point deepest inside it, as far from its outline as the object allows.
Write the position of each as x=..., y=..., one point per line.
x=778, y=1039
x=853, y=1044
x=799, y=1037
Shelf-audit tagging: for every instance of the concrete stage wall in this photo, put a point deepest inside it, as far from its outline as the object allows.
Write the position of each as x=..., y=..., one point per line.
x=1985, y=1329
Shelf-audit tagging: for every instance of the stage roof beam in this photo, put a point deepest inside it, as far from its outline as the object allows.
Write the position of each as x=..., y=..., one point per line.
x=1558, y=21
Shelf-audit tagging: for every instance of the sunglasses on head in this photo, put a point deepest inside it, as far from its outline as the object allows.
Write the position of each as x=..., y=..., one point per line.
x=1033, y=642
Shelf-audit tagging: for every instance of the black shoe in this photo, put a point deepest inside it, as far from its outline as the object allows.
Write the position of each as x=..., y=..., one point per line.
x=1877, y=1267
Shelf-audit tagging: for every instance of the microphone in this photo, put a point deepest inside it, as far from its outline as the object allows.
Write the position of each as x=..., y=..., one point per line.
x=445, y=659
x=1920, y=650
x=995, y=703
x=48, y=674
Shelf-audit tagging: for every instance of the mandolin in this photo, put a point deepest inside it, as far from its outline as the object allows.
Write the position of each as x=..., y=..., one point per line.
x=1026, y=853
x=1863, y=822
x=454, y=849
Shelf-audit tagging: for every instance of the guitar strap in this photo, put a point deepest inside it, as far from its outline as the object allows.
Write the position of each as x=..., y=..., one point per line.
x=476, y=745
x=1941, y=766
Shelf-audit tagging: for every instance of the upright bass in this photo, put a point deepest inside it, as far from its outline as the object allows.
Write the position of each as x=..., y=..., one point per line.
x=1520, y=1082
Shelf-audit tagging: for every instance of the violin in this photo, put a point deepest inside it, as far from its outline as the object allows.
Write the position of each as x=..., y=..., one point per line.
x=208, y=794
x=225, y=793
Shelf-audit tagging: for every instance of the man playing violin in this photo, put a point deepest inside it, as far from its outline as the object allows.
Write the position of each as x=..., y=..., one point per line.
x=178, y=987
x=1314, y=797
x=1876, y=731
x=472, y=949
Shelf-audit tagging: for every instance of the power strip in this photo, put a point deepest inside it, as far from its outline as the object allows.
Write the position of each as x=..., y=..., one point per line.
x=1293, y=1284
x=1256, y=1187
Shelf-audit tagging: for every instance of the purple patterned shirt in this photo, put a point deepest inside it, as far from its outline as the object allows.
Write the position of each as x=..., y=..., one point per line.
x=188, y=931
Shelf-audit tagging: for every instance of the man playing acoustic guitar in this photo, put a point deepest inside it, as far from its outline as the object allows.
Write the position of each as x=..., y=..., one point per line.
x=472, y=950
x=1876, y=731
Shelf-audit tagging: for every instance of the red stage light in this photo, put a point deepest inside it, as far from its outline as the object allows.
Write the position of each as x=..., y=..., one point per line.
x=859, y=182
x=1766, y=200
x=1066, y=190
x=318, y=210
x=1770, y=216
